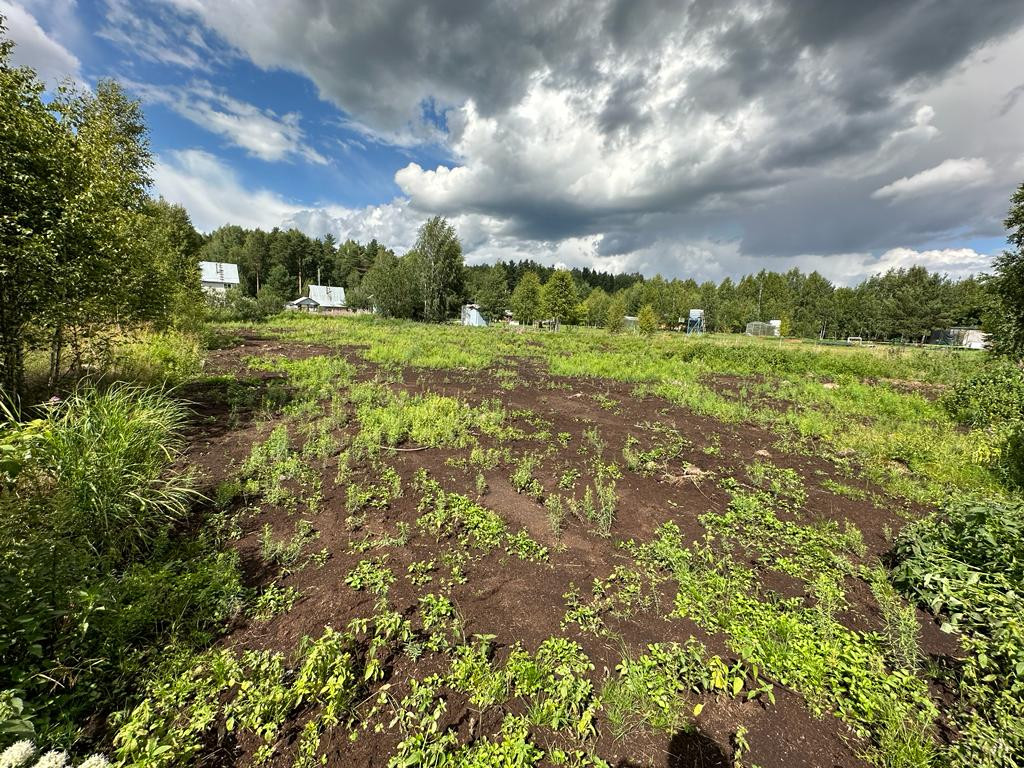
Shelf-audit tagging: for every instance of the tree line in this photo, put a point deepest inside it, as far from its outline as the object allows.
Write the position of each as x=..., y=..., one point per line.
x=88, y=255
x=906, y=303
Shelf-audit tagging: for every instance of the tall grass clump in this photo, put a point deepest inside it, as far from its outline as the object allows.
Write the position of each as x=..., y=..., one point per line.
x=166, y=357
x=93, y=584
x=104, y=457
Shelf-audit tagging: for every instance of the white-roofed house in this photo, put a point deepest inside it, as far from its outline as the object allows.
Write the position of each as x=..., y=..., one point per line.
x=217, y=276
x=322, y=298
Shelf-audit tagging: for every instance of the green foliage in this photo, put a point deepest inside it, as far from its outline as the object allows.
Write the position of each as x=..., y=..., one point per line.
x=802, y=647
x=559, y=299
x=250, y=695
x=77, y=261
x=991, y=394
x=616, y=317
x=967, y=567
x=991, y=401
x=287, y=552
x=656, y=686
x=388, y=418
x=522, y=546
x=92, y=584
x=452, y=515
x=522, y=477
x=106, y=454
x=1006, y=319
x=281, y=475
x=392, y=285
x=373, y=575
x=526, y=299
x=439, y=267
x=236, y=306
x=164, y=357
x=273, y=601
x=489, y=290
x=646, y=320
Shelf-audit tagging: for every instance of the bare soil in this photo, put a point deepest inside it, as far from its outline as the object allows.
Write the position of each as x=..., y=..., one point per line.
x=523, y=602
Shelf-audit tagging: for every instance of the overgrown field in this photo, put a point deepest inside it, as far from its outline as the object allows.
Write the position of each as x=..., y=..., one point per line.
x=347, y=541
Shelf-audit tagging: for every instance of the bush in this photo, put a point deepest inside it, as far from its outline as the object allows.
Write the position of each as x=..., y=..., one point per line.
x=991, y=395
x=647, y=320
x=991, y=401
x=236, y=306
x=967, y=567
x=93, y=585
x=167, y=357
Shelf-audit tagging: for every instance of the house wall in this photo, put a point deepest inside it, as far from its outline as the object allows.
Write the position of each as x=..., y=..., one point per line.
x=218, y=289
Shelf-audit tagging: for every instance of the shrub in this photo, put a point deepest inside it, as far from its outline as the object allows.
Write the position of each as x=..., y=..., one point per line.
x=168, y=357
x=647, y=320
x=92, y=584
x=991, y=395
x=967, y=567
x=991, y=400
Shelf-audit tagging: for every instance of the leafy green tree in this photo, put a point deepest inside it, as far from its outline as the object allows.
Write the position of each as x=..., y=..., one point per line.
x=392, y=285
x=1006, y=284
x=526, y=299
x=73, y=175
x=647, y=320
x=34, y=160
x=347, y=262
x=226, y=244
x=595, y=307
x=254, y=261
x=559, y=300
x=813, y=305
x=616, y=316
x=168, y=291
x=491, y=292
x=440, y=268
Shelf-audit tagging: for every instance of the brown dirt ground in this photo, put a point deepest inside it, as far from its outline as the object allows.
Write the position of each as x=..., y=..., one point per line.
x=523, y=602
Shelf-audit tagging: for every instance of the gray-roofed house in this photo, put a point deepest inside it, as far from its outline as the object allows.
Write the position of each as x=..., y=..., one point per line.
x=329, y=298
x=304, y=303
x=217, y=276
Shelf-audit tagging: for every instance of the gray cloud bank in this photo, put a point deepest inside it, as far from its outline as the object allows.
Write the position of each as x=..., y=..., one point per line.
x=637, y=132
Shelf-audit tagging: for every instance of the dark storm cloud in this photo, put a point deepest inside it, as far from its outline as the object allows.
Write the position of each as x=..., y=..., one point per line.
x=742, y=117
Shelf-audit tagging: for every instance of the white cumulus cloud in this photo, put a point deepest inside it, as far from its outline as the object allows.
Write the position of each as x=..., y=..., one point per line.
x=35, y=48
x=213, y=194
x=260, y=132
x=951, y=175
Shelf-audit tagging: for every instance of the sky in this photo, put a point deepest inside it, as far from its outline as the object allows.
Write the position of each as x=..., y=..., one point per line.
x=690, y=138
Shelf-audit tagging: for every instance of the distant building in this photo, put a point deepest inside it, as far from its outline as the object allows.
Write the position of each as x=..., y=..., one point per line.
x=328, y=297
x=771, y=328
x=322, y=298
x=629, y=321
x=968, y=338
x=694, y=323
x=217, y=276
x=304, y=303
x=471, y=315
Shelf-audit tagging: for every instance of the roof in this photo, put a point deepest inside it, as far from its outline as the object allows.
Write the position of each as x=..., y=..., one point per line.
x=219, y=272
x=327, y=295
x=303, y=300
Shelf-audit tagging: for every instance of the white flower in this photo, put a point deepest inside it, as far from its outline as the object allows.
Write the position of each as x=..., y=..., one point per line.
x=53, y=760
x=96, y=761
x=18, y=754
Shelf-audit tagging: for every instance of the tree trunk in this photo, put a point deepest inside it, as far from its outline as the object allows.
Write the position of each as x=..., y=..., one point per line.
x=12, y=371
x=56, y=349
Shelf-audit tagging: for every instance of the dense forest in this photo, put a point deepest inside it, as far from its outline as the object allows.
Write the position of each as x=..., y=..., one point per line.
x=902, y=304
